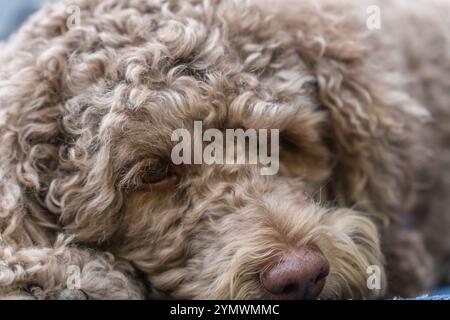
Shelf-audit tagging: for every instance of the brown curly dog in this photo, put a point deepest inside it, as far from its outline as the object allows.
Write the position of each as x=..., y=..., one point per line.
x=92, y=206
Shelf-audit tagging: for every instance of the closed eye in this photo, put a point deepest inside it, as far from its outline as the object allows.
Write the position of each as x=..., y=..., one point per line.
x=154, y=173
x=149, y=175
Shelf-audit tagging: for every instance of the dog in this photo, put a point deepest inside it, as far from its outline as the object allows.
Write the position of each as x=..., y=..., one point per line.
x=92, y=205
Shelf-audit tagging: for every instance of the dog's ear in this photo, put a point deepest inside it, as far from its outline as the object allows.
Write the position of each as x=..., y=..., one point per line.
x=372, y=125
x=54, y=169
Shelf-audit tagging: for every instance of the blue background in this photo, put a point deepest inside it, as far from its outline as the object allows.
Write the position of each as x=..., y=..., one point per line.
x=13, y=13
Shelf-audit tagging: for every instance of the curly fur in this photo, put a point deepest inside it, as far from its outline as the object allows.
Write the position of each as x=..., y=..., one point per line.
x=361, y=114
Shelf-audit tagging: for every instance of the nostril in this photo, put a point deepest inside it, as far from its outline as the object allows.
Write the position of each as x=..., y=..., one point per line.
x=299, y=275
x=323, y=273
x=292, y=287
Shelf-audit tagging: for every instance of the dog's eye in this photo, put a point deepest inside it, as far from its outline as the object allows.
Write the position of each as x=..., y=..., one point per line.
x=155, y=174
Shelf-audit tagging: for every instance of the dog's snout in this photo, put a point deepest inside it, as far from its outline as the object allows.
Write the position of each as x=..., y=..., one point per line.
x=300, y=274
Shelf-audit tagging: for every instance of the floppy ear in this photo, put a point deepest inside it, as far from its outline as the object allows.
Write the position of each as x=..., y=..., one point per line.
x=53, y=168
x=372, y=125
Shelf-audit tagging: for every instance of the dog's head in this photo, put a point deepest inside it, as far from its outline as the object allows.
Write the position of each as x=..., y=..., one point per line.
x=88, y=145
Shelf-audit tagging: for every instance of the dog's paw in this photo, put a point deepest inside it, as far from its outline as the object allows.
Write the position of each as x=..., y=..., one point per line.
x=36, y=292
x=72, y=294
x=66, y=294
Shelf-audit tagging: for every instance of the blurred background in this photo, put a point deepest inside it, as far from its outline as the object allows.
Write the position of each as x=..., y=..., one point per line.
x=14, y=13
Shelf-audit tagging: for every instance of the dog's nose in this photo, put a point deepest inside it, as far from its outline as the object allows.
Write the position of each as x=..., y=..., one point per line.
x=300, y=274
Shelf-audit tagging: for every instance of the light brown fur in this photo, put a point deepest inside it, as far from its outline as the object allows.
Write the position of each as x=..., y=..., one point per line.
x=362, y=116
